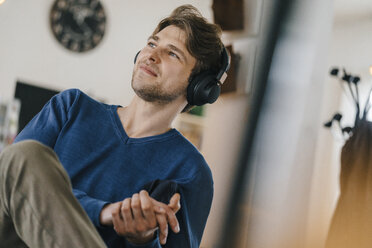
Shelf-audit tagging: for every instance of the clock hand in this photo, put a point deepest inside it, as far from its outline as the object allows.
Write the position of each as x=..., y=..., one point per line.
x=80, y=13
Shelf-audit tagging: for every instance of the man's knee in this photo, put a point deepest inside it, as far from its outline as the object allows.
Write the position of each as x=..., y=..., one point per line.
x=26, y=147
x=28, y=150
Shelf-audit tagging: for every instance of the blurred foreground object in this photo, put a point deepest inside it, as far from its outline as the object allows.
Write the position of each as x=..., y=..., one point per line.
x=351, y=224
x=352, y=220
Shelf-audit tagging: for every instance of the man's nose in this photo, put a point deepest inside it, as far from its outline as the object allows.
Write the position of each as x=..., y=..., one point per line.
x=154, y=55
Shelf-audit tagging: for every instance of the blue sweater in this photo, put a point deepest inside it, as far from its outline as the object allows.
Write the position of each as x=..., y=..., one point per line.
x=106, y=166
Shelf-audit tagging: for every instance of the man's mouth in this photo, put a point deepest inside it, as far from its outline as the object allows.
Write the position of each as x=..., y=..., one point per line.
x=148, y=70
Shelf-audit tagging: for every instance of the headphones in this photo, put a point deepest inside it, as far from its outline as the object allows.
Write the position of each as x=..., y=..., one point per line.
x=205, y=87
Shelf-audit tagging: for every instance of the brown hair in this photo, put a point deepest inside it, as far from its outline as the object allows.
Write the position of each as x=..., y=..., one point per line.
x=203, y=40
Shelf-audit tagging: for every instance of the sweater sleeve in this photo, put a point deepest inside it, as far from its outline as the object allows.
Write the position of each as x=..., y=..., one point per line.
x=46, y=126
x=196, y=200
x=153, y=244
x=91, y=205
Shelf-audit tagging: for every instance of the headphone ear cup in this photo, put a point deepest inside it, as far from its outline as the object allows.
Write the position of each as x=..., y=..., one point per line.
x=203, y=88
x=190, y=90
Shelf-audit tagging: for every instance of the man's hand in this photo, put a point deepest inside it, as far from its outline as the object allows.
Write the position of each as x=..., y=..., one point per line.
x=138, y=218
x=169, y=216
x=105, y=218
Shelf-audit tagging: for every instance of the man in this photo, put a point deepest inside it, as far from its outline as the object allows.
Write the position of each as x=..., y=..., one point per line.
x=110, y=153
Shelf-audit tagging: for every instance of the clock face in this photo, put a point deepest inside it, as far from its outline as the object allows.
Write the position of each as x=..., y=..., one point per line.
x=79, y=25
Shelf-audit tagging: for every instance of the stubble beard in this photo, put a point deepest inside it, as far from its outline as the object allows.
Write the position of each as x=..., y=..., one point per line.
x=155, y=93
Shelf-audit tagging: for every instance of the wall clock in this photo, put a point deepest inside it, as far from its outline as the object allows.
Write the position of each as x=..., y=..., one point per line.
x=79, y=25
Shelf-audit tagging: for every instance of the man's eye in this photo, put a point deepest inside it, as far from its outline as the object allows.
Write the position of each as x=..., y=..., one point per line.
x=173, y=55
x=150, y=44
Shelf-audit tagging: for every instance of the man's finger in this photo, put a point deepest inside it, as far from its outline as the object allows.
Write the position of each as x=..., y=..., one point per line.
x=163, y=228
x=116, y=211
x=147, y=208
x=117, y=221
x=175, y=202
x=171, y=216
x=136, y=207
x=173, y=222
x=159, y=209
x=126, y=211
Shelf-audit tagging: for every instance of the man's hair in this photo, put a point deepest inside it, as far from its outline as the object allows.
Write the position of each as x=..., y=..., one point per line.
x=203, y=40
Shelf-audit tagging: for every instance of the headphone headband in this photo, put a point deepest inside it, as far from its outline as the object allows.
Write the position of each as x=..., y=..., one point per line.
x=225, y=63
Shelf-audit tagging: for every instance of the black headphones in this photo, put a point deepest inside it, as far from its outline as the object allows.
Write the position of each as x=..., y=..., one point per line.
x=205, y=87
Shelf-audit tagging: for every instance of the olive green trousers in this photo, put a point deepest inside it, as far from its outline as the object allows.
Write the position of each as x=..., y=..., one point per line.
x=37, y=206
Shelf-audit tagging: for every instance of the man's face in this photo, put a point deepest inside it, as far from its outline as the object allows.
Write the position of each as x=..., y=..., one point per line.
x=163, y=67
